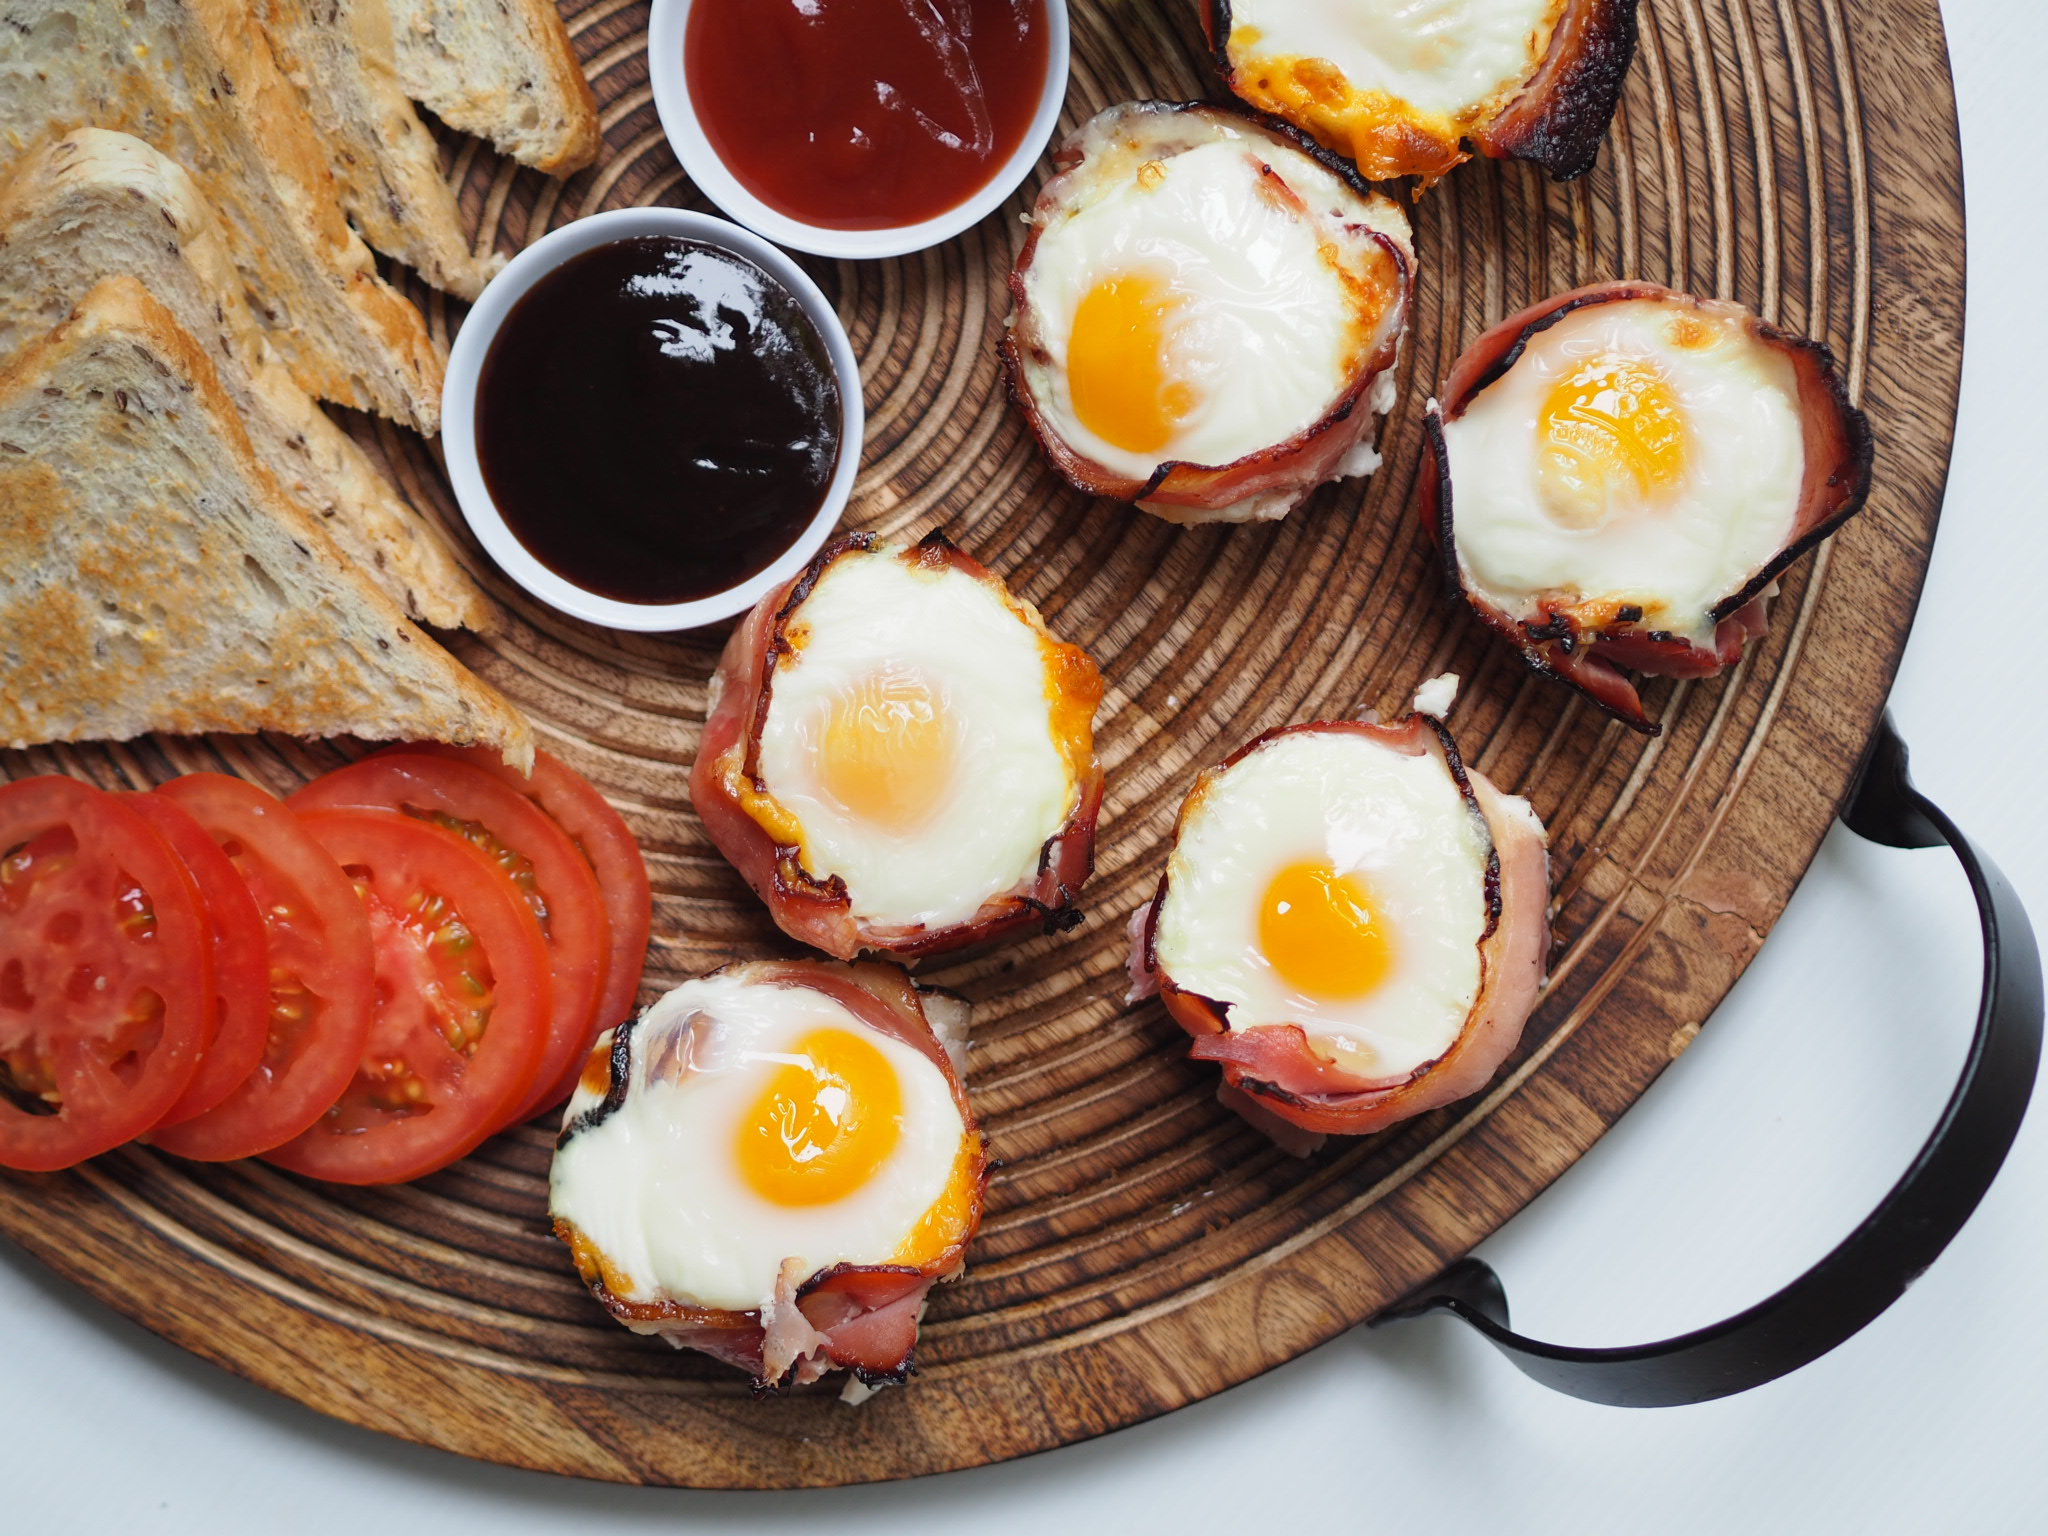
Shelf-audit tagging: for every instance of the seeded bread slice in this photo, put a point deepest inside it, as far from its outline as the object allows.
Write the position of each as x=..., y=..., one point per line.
x=93, y=204
x=154, y=576
x=198, y=80
x=339, y=54
x=503, y=70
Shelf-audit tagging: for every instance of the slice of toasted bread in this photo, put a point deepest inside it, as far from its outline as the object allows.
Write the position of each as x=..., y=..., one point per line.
x=503, y=70
x=154, y=576
x=384, y=160
x=198, y=80
x=93, y=204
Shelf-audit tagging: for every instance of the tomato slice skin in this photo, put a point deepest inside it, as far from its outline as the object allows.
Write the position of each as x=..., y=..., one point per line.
x=241, y=978
x=317, y=958
x=603, y=837
x=442, y=1065
x=106, y=972
x=540, y=865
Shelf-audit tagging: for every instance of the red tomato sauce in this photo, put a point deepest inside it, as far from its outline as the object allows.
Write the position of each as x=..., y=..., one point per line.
x=865, y=114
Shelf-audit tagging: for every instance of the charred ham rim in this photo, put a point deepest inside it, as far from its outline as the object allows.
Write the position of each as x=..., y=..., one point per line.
x=1269, y=1071
x=1270, y=481
x=1554, y=118
x=858, y=1317
x=1561, y=644
x=730, y=798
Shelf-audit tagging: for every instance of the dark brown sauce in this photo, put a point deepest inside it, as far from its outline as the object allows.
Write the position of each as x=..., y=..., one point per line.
x=657, y=419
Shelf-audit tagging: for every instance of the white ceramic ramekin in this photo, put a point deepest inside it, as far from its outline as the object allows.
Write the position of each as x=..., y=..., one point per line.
x=686, y=136
x=458, y=415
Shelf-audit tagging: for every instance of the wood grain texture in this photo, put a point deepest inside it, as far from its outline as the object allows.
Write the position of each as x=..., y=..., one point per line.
x=1143, y=1249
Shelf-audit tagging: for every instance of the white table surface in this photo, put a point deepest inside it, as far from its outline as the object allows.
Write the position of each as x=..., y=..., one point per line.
x=1796, y=1108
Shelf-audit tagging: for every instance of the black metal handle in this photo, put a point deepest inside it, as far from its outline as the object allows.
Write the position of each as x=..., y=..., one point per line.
x=1872, y=1267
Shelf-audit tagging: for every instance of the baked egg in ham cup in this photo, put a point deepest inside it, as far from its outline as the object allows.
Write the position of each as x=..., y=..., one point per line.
x=774, y=1164
x=1351, y=922
x=1206, y=313
x=1415, y=87
x=1618, y=475
x=899, y=756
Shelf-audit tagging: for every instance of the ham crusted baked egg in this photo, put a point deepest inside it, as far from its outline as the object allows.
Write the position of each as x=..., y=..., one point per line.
x=1206, y=313
x=1618, y=475
x=774, y=1164
x=1351, y=922
x=1415, y=87
x=899, y=756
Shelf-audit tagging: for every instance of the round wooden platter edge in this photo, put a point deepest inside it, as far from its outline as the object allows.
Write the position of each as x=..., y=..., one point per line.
x=1663, y=927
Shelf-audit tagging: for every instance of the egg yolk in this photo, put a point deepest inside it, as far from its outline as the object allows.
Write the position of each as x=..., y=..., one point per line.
x=889, y=750
x=1612, y=424
x=1120, y=364
x=1323, y=932
x=829, y=1117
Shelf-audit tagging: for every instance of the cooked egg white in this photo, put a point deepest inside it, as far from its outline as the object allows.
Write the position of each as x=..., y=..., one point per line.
x=919, y=743
x=1192, y=311
x=1354, y=72
x=760, y=1123
x=1328, y=881
x=1637, y=453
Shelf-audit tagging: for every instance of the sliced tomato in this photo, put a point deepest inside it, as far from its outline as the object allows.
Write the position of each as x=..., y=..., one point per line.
x=241, y=984
x=603, y=837
x=536, y=857
x=106, y=974
x=464, y=1001
x=317, y=958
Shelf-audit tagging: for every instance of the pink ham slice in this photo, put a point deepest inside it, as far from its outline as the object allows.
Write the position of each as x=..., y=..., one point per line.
x=1272, y=1065
x=1261, y=485
x=820, y=912
x=1556, y=120
x=858, y=1317
x=1558, y=644
x=1559, y=118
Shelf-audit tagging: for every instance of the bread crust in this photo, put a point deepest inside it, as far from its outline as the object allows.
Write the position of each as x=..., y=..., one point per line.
x=319, y=653
x=92, y=203
x=198, y=80
x=473, y=99
x=276, y=120
x=385, y=162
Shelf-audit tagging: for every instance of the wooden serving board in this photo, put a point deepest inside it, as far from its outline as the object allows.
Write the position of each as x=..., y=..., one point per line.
x=1143, y=1249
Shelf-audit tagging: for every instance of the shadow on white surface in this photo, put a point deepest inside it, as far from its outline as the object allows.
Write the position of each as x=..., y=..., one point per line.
x=279, y=1447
